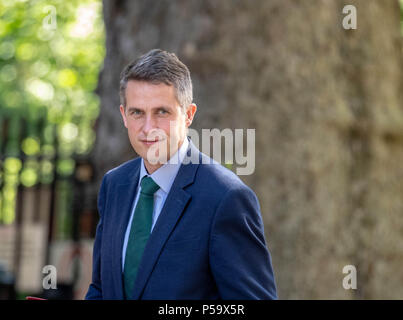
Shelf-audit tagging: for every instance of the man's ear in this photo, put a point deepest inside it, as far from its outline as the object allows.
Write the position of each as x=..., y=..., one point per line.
x=190, y=113
x=123, y=113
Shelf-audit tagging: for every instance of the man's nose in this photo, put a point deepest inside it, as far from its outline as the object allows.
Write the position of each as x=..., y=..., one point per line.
x=149, y=124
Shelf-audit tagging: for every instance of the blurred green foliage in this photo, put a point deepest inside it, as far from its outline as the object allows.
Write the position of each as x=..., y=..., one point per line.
x=51, y=52
x=50, y=56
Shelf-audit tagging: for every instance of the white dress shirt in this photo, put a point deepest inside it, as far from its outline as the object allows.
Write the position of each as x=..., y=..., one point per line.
x=164, y=177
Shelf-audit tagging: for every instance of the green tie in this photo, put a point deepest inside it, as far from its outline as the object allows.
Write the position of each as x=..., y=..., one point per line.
x=139, y=232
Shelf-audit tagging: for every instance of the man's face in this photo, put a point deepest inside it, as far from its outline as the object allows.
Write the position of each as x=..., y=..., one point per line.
x=155, y=121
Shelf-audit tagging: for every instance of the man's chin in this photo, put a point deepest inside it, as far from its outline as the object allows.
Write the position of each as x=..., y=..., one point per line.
x=155, y=154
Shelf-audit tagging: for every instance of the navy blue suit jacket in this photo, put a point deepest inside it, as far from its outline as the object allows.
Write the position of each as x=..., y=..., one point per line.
x=208, y=242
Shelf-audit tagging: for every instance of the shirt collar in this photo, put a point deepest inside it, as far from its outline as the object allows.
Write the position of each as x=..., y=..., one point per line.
x=165, y=175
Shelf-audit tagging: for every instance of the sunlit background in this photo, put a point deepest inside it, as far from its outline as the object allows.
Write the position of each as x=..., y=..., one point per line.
x=50, y=55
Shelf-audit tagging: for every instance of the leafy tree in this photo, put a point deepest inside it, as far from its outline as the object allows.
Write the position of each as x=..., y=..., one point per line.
x=50, y=56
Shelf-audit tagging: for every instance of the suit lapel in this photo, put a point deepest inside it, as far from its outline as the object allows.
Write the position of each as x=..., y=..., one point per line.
x=171, y=212
x=123, y=207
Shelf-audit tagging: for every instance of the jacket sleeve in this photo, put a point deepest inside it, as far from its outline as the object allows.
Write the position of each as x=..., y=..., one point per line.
x=239, y=259
x=95, y=288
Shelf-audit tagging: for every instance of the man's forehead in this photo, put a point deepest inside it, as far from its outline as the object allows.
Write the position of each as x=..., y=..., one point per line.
x=139, y=92
x=151, y=84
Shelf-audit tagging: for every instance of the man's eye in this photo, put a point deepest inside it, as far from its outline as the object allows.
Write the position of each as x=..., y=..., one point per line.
x=162, y=111
x=135, y=112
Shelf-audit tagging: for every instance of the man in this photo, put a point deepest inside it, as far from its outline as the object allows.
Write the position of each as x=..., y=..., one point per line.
x=171, y=228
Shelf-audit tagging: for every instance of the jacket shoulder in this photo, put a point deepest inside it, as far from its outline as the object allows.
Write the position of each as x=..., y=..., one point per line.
x=123, y=171
x=219, y=178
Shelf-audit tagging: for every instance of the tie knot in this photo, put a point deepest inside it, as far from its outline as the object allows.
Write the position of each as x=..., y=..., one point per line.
x=148, y=186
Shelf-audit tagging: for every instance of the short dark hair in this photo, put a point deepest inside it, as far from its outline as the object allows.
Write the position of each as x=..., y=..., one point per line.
x=158, y=66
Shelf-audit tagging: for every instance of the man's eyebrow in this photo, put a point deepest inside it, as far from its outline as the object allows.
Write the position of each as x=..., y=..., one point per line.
x=162, y=107
x=133, y=109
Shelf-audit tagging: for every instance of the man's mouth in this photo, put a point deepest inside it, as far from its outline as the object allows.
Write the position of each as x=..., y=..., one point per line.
x=150, y=142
